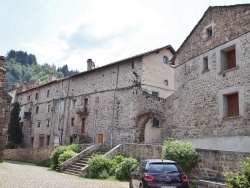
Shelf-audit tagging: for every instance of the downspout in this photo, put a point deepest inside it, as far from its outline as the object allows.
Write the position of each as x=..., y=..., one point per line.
x=113, y=113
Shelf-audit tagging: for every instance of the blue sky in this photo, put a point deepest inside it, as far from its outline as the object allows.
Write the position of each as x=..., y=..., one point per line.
x=71, y=31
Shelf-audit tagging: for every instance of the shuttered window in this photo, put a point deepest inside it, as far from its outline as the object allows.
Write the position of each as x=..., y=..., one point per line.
x=231, y=60
x=233, y=105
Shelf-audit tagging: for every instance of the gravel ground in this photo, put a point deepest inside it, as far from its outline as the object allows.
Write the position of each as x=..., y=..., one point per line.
x=25, y=175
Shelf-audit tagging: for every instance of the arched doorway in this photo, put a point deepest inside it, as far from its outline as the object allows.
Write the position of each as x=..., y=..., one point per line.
x=148, y=128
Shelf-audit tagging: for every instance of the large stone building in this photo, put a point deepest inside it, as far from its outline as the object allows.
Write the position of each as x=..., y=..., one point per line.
x=212, y=81
x=124, y=101
x=5, y=100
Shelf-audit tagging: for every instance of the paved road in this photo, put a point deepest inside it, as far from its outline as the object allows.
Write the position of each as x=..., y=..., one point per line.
x=24, y=175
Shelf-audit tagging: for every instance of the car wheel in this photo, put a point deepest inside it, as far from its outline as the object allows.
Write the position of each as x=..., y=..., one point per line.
x=141, y=186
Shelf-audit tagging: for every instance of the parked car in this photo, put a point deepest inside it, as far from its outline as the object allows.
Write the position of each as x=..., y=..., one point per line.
x=158, y=173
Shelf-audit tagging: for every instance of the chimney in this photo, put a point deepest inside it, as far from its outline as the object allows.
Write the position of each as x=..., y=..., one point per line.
x=91, y=64
x=52, y=77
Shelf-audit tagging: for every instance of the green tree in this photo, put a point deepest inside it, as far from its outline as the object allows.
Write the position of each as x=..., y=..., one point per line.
x=14, y=130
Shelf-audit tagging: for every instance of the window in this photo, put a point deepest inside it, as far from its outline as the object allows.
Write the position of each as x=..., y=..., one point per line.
x=209, y=32
x=86, y=102
x=49, y=108
x=155, y=93
x=48, y=123
x=72, y=121
x=48, y=139
x=48, y=93
x=28, y=97
x=39, y=124
x=155, y=122
x=37, y=109
x=36, y=96
x=73, y=103
x=205, y=63
x=32, y=141
x=228, y=58
x=165, y=60
x=232, y=105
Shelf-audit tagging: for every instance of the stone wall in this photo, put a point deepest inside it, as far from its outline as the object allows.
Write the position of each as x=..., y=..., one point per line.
x=30, y=155
x=5, y=100
x=200, y=99
x=226, y=22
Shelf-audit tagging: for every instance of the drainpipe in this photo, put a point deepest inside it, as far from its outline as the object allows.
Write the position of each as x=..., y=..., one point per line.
x=94, y=136
x=113, y=113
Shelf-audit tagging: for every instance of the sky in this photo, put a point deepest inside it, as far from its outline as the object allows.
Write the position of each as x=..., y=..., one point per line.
x=71, y=31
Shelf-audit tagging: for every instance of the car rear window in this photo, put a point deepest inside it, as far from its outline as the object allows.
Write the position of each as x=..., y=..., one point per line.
x=163, y=167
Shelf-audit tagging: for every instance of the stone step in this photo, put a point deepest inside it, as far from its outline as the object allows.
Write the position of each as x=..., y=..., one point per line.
x=210, y=184
x=71, y=171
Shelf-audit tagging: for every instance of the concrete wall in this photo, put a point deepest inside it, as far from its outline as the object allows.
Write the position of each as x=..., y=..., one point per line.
x=30, y=155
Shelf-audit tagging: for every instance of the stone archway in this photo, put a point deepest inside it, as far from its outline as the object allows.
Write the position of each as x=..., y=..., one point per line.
x=146, y=131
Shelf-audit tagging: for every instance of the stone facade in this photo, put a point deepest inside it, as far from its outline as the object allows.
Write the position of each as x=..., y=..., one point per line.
x=203, y=81
x=5, y=100
x=110, y=105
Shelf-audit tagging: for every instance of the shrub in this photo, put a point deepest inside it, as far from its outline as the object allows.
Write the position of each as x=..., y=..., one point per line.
x=115, y=162
x=60, y=150
x=66, y=155
x=10, y=145
x=241, y=178
x=124, y=169
x=44, y=163
x=97, y=164
x=182, y=152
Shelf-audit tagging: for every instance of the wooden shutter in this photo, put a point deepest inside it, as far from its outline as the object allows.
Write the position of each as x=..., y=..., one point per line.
x=231, y=60
x=233, y=105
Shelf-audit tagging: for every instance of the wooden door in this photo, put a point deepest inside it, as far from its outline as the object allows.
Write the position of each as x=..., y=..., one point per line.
x=41, y=141
x=100, y=138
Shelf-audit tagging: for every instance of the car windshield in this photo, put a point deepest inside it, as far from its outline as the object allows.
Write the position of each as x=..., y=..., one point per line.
x=163, y=168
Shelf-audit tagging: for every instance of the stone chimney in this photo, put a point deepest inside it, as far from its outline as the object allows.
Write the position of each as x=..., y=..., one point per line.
x=91, y=64
x=52, y=77
x=5, y=101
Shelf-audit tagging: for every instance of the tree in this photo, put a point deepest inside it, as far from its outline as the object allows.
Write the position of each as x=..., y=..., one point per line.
x=14, y=130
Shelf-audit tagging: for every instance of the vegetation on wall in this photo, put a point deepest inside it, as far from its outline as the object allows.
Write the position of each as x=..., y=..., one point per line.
x=182, y=152
x=240, y=179
x=14, y=129
x=23, y=67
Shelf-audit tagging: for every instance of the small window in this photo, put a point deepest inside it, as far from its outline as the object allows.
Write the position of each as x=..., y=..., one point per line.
x=37, y=109
x=36, y=96
x=155, y=93
x=48, y=123
x=48, y=93
x=73, y=103
x=72, y=121
x=48, y=139
x=165, y=60
x=32, y=141
x=209, y=32
x=28, y=97
x=49, y=108
x=205, y=63
x=232, y=105
x=86, y=102
x=155, y=122
x=39, y=124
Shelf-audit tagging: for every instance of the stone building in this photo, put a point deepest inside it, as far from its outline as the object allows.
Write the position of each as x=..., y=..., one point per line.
x=212, y=81
x=124, y=101
x=5, y=100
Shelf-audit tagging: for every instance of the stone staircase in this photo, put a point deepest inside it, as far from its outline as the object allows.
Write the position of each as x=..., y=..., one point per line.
x=77, y=167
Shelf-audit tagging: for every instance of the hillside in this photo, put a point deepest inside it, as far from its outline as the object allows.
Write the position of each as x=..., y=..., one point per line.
x=23, y=67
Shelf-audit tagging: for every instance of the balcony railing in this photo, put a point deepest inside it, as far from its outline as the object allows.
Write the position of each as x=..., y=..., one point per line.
x=27, y=115
x=81, y=110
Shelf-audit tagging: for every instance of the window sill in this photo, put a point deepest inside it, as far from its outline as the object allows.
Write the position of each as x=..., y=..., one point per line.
x=231, y=117
x=206, y=70
x=228, y=70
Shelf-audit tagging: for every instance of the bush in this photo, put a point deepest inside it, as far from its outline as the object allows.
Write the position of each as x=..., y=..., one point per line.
x=44, y=163
x=115, y=162
x=66, y=155
x=124, y=169
x=60, y=150
x=241, y=178
x=182, y=152
x=98, y=165
x=10, y=145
